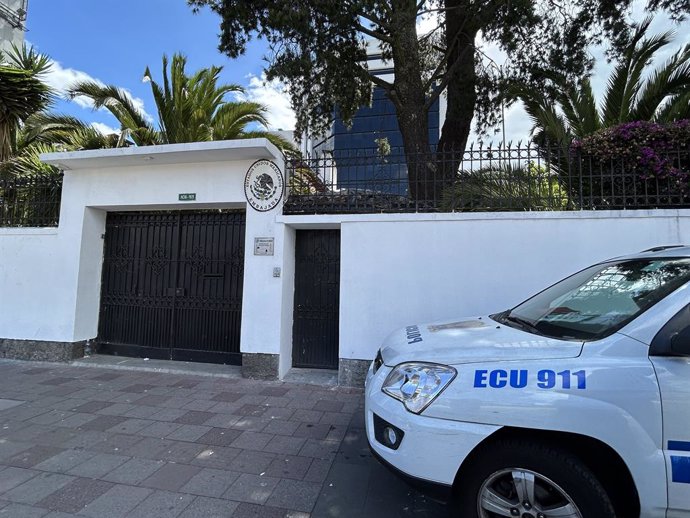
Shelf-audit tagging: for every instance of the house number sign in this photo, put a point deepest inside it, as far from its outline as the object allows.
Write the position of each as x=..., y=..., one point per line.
x=263, y=185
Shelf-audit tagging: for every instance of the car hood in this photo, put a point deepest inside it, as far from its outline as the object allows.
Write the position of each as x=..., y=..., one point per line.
x=471, y=340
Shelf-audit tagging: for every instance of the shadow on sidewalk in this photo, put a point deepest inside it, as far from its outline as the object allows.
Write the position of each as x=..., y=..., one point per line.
x=358, y=485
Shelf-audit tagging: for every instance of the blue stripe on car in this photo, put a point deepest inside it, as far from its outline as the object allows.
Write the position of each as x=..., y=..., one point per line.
x=679, y=445
x=680, y=469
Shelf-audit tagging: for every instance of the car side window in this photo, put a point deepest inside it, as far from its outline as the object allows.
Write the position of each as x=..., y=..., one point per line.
x=677, y=327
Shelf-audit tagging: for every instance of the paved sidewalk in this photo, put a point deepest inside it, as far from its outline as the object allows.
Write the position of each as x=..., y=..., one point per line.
x=102, y=443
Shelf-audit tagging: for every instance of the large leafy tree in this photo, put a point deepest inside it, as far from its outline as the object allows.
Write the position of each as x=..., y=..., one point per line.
x=633, y=93
x=317, y=47
x=191, y=108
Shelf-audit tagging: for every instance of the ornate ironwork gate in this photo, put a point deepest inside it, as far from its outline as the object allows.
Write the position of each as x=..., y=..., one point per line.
x=317, y=299
x=172, y=285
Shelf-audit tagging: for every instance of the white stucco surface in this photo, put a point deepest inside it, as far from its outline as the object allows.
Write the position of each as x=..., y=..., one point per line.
x=50, y=278
x=396, y=269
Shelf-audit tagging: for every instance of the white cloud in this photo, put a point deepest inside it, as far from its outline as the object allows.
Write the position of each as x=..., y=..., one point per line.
x=104, y=128
x=274, y=96
x=61, y=79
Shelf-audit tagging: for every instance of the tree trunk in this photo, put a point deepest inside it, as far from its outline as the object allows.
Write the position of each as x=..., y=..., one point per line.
x=409, y=98
x=461, y=90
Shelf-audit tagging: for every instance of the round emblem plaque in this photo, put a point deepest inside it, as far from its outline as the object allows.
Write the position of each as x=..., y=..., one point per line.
x=263, y=185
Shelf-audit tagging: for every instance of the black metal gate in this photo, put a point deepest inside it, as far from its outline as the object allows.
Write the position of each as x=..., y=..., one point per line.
x=317, y=299
x=172, y=285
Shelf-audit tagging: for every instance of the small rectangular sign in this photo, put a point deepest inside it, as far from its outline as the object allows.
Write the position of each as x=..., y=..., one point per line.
x=263, y=246
x=186, y=196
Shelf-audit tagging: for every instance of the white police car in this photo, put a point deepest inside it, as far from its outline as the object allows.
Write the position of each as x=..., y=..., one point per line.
x=576, y=403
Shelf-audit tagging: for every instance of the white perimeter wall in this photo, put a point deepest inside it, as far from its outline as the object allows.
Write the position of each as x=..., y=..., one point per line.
x=405, y=269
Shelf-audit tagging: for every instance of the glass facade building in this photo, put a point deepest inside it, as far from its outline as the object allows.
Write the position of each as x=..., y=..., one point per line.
x=355, y=150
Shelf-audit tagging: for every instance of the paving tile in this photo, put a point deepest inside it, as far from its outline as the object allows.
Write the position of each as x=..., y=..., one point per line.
x=118, y=409
x=130, y=426
x=285, y=445
x=319, y=449
x=199, y=404
x=22, y=511
x=108, y=376
x=306, y=416
x=254, y=489
x=227, y=397
x=222, y=420
x=281, y=427
x=32, y=456
x=274, y=412
x=162, y=504
x=313, y=431
x=210, y=508
x=152, y=400
x=10, y=448
x=12, y=477
x=77, y=420
x=210, y=482
x=115, y=443
x=251, y=423
x=184, y=383
x=318, y=470
x=274, y=391
x=289, y=466
x=159, y=429
x=58, y=514
x=52, y=417
x=219, y=437
x=148, y=448
x=194, y=417
x=55, y=437
x=181, y=452
x=85, y=439
x=167, y=414
x=251, y=410
x=134, y=471
x=74, y=496
x=215, y=457
x=188, y=432
x=98, y=466
x=252, y=441
x=245, y=510
x=103, y=423
x=64, y=461
x=255, y=462
x=117, y=502
x=295, y=494
x=171, y=477
x=336, y=418
x=56, y=381
x=37, y=488
x=138, y=388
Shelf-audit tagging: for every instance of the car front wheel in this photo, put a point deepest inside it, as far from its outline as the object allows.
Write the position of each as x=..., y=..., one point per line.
x=522, y=479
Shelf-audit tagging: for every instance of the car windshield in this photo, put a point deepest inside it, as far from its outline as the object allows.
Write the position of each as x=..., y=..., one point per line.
x=600, y=300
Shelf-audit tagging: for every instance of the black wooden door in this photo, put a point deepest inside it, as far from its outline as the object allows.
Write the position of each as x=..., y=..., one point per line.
x=172, y=285
x=317, y=299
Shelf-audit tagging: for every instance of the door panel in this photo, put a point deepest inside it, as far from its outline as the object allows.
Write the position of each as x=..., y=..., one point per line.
x=673, y=374
x=317, y=299
x=172, y=285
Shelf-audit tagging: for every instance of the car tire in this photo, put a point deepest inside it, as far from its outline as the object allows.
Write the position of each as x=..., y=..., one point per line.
x=503, y=471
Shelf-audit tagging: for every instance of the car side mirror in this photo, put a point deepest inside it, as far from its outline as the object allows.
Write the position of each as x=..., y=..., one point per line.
x=680, y=343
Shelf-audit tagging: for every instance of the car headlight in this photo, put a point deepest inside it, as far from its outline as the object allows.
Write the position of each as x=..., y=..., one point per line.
x=418, y=384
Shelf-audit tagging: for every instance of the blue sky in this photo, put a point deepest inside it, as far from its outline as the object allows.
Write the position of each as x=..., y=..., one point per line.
x=113, y=42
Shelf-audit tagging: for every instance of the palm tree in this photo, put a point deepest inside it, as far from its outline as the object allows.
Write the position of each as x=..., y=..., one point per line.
x=633, y=93
x=190, y=108
x=22, y=93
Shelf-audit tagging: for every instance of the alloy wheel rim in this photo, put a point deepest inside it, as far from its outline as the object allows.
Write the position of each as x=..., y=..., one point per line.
x=523, y=493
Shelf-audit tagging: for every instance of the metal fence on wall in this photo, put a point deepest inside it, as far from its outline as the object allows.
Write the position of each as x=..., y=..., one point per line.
x=30, y=201
x=515, y=178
